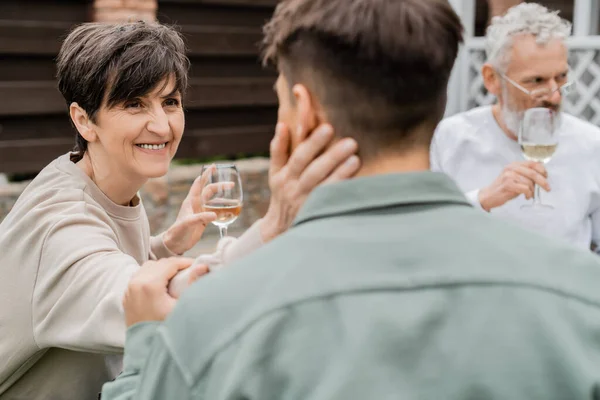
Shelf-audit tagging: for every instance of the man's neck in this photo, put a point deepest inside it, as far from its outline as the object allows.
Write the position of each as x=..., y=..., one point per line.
x=114, y=185
x=412, y=161
x=497, y=113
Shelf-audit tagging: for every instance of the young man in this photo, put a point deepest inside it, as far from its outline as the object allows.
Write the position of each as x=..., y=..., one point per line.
x=526, y=67
x=389, y=285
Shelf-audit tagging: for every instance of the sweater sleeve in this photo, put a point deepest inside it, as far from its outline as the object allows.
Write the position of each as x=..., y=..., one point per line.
x=159, y=249
x=81, y=280
x=230, y=249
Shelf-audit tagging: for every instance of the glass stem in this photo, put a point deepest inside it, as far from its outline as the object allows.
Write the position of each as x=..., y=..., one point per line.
x=223, y=230
x=536, y=194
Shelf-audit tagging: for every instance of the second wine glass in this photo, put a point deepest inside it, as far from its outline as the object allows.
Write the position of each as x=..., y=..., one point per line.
x=538, y=138
x=222, y=194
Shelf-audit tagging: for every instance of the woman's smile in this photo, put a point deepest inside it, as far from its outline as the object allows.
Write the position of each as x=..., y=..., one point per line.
x=153, y=148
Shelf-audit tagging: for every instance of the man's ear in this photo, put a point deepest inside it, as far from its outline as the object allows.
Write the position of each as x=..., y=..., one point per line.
x=491, y=79
x=82, y=122
x=306, y=112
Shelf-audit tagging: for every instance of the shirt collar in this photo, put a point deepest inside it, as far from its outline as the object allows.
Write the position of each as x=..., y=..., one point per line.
x=380, y=191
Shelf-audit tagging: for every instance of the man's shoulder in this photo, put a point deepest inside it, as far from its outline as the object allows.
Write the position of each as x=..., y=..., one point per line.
x=586, y=126
x=469, y=126
x=468, y=246
x=459, y=123
x=525, y=257
x=584, y=131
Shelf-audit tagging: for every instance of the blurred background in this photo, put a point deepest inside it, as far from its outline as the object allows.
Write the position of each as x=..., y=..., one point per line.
x=231, y=107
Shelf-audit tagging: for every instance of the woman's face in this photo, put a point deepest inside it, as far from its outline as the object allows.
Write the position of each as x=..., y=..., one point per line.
x=140, y=137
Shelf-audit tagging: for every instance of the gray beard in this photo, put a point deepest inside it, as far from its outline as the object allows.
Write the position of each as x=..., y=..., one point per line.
x=512, y=119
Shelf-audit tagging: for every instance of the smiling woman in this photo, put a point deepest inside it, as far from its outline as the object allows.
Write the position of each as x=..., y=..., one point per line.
x=127, y=106
x=79, y=231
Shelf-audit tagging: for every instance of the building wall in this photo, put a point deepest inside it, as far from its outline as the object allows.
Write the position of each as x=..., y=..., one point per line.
x=124, y=10
x=231, y=109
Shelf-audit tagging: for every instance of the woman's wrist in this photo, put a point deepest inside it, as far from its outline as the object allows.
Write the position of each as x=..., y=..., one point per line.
x=170, y=244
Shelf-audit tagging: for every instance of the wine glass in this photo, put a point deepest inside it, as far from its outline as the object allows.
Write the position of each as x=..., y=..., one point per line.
x=222, y=194
x=538, y=137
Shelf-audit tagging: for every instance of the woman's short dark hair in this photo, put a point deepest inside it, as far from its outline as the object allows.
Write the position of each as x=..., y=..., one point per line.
x=113, y=63
x=379, y=68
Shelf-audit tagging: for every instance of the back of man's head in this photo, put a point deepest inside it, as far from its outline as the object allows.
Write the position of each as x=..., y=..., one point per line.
x=378, y=68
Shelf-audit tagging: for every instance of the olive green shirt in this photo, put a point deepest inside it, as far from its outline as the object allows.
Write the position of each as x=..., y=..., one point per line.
x=386, y=287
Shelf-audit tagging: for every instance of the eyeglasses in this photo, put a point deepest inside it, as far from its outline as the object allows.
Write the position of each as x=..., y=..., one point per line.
x=542, y=93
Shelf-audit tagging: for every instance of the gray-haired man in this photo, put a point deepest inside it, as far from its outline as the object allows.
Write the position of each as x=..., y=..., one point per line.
x=526, y=67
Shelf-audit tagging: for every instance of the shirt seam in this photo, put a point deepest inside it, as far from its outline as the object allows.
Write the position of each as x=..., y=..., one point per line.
x=365, y=209
x=113, y=215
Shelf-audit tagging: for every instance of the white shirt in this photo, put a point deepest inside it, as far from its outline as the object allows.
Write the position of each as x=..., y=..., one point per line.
x=472, y=149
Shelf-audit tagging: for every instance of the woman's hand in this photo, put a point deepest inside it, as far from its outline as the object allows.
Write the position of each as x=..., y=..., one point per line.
x=147, y=298
x=191, y=220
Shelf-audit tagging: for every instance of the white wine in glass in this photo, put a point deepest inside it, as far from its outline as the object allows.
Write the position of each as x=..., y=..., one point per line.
x=538, y=137
x=227, y=210
x=538, y=152
x=222, y=194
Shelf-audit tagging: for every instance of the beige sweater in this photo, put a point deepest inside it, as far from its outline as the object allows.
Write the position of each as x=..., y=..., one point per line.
x=66, y=255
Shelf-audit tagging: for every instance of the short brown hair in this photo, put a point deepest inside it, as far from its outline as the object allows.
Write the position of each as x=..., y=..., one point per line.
x=380, y=68
x=118, y=62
